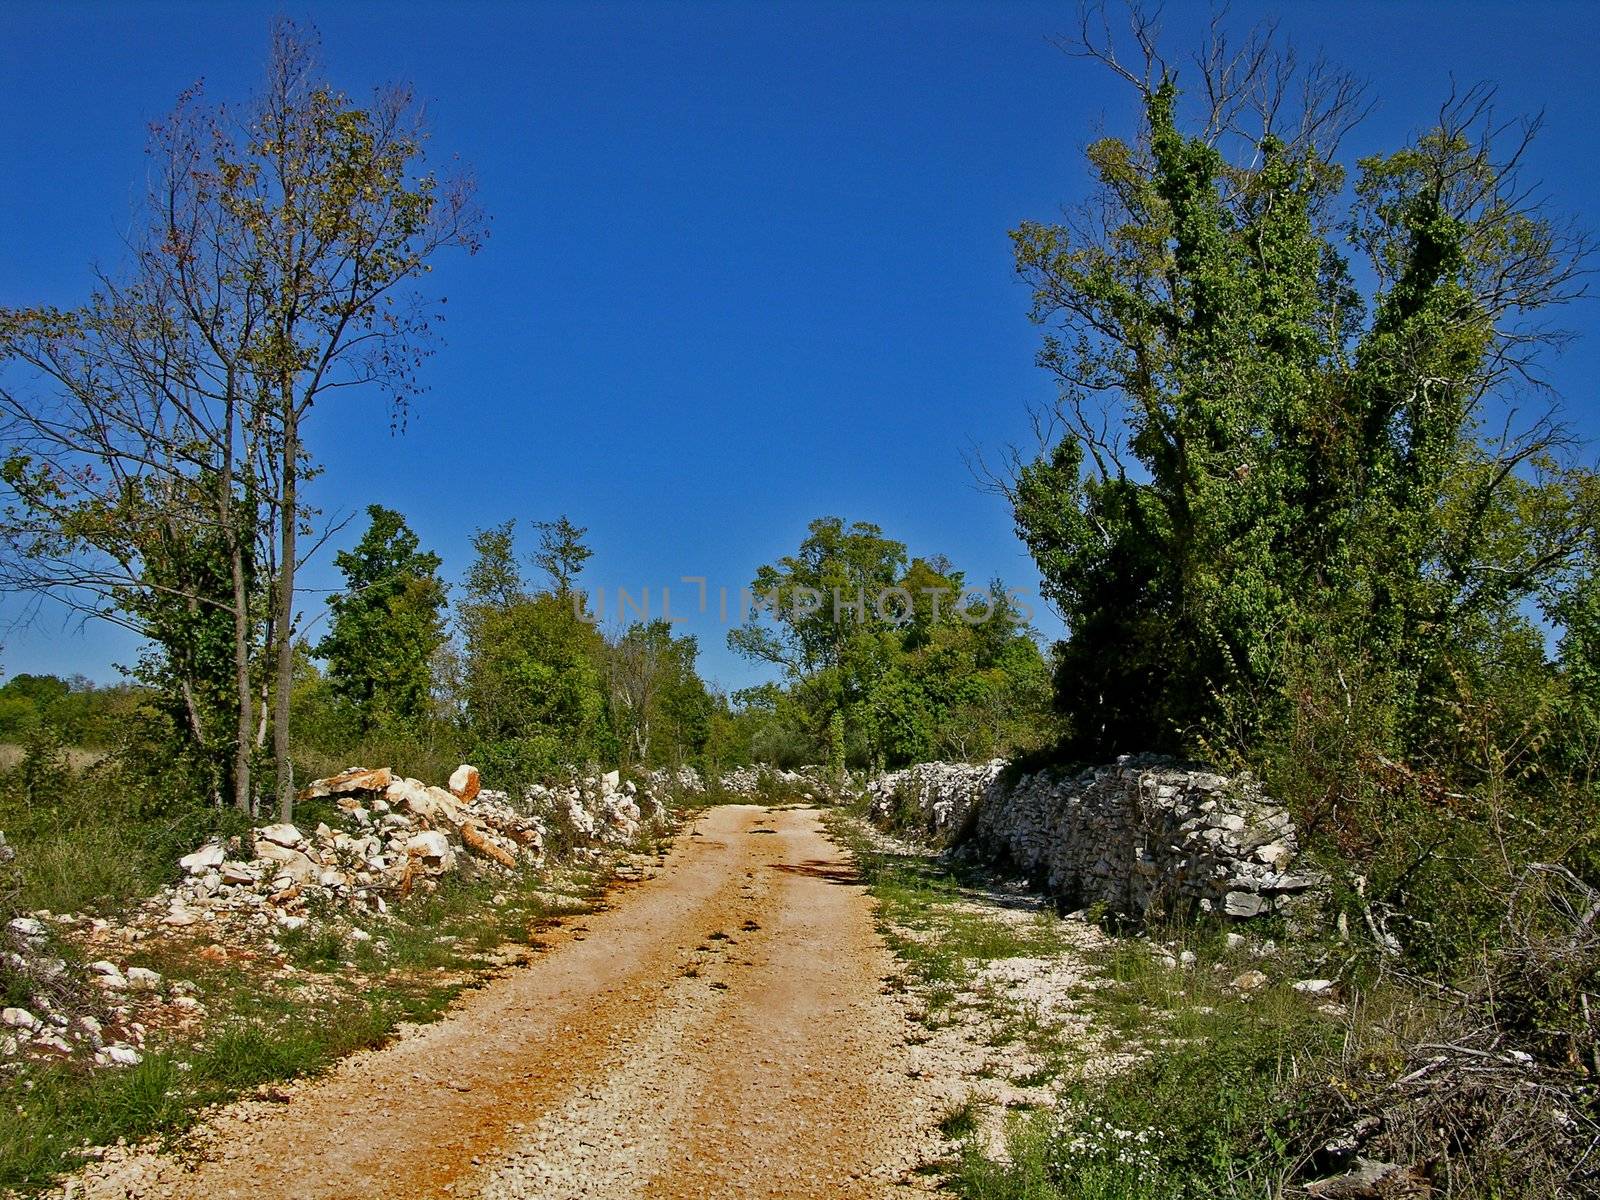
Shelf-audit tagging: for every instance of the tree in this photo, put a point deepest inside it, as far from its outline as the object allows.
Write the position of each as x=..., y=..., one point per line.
x=386, y=625
x=887, y=661
x=532, y=678
x=332, y=212
x=1252, y=457
x=281, y=241
x=561, y=553
x=494, y=580
x=658, y=702
x=128, y=475
x=813, y=600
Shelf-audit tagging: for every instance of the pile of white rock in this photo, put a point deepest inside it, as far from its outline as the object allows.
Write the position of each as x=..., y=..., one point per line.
x=808, y=783
x=399, y=835
x=602, y=810
x=1140, y=836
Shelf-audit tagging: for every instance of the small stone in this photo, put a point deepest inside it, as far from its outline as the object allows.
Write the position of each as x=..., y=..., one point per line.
x=357, y=779
x=236, y=873
x=1313, y=987
x=433, y=848
x=119, y=1054
x=1243, y=904
x=27, y=927
x=143, y=979
x=18, y=1018
x=1275, y=855
x=1248, y=981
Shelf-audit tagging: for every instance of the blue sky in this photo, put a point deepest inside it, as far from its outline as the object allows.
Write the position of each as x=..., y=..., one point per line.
x=749, y=263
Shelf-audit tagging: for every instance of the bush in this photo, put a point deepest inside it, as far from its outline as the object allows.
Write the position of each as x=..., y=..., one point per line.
x=97, y=839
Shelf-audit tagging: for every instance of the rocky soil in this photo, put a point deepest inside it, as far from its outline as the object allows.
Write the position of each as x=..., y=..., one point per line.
x=1010, y=1031
x=80, y=1001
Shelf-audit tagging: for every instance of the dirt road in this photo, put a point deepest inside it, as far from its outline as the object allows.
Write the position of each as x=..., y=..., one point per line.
x=720, y=1031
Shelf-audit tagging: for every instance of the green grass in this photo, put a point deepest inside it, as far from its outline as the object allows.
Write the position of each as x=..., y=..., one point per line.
x=1208, y=1111
x=920, y=907
x=50, y=1114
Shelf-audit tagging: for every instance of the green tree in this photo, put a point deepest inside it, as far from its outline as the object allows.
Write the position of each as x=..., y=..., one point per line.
x=386, y=625
x=532, y=678
x=282, y=243
x=888, y=661
x=561, y=553
x=1269, y=466
x=659, y=705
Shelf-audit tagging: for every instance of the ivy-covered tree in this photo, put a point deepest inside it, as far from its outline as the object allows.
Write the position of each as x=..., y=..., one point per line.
x=1258, y=458
x=385, y=626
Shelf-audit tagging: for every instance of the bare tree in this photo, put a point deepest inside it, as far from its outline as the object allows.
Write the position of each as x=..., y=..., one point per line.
x=282, y=242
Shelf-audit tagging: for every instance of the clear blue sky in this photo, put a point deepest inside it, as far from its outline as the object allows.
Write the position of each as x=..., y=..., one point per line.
x=749, y=262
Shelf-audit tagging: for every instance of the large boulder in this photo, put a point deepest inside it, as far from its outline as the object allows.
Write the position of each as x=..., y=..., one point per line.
x=356, y=779
x=434, y=803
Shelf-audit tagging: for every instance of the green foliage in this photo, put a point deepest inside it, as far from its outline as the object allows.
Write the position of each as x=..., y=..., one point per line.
x=533, y=694
x=386, y=626
x=84, y=714
x=660, y=709
x=1299, y=475
x=907, y=660
x=561, y=553
x=1291, y=529
x=98, y=837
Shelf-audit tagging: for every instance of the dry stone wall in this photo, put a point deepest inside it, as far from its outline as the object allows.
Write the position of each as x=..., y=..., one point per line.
x=1140, y=837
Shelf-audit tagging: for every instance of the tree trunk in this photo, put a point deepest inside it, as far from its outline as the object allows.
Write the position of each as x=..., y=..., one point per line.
x=289, y=520
x=241, y=621
x=241, y=672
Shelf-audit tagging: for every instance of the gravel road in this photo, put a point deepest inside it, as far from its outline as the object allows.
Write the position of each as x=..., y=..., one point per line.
x=719, y=1031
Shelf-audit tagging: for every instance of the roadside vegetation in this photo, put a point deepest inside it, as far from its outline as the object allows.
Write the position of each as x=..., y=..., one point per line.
x=1309, y=510
x=287, y=1009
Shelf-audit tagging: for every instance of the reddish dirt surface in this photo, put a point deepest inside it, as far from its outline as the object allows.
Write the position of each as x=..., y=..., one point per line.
x=719, y=1031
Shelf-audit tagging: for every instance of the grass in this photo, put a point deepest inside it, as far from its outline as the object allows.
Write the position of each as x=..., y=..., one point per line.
x=925, y=919
x=1207, y=1110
